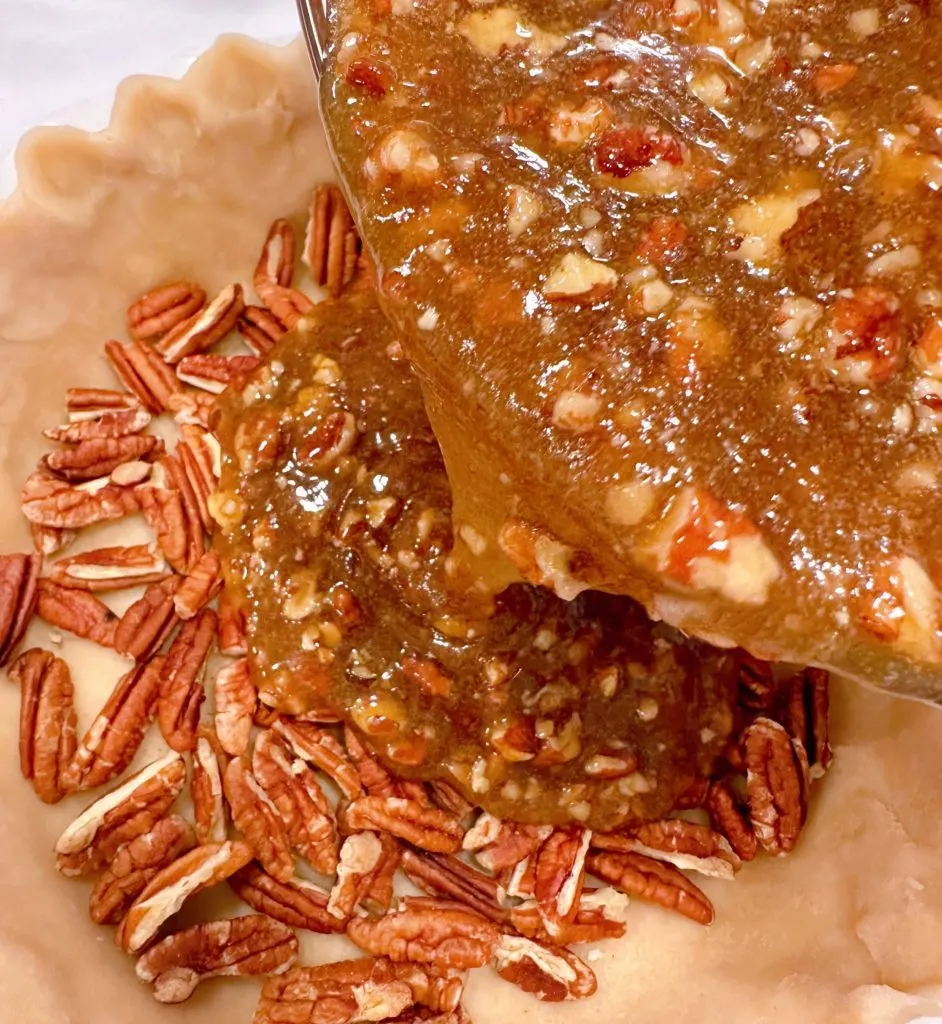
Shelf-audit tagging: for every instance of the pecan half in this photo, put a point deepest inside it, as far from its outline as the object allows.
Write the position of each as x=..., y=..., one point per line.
x=654, y=881
x=241, y=947
x=192, y=408
x=232, y=638
x=686, y=845
x=807, y=715
x=450, y=878
x=47, y=501
x=18, y=578
x=47, y=540
x=257, y=818
x=560, y=875
x=298, y=903
x=76, y=611
x=445, y=936
x=293, y=788
x=731, y=822
x=601, y=915
x=115, y=735
x=235, y=698
x=261, y=329
x=89, y=404
x=133, y=866
x=203, y=329
x=321, y=749
x=367, y=861
x=502, y=844
x=97, y=457
x=144, y=373
x=374, y=778
x=424, y=826
x=191, y=490
x=756, y=683
x=201, y=458
x=148, y=622
x=173, y=514
x=129, y=811
x=47, y=721
x=449, y=799
x=201, y=585
x=169, y=889
x=775, y=789
x=276, y=262
x=111, y=568
x=287, y=304
x=181, y=688
x=209, y=809
x=214, y=373
x=162, y=309
x=109, y=425
x=551, y=973
x=331, y=243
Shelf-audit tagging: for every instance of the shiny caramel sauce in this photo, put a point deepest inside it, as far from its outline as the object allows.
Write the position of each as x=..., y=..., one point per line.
x=670, y=273
x=337, y=533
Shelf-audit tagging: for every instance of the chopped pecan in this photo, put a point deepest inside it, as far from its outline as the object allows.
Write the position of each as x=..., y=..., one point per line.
x=331, y=244
x=601, y=915
x=162, y=309
x=654, y=881
x=560, y=875
x=424, y=826
x=169, y=889
x=731, y=822
x=374, y=778
x=181, y=688
x=235, y=699
x=551, y=973
x=50, y=502
x=47, y=540
x=241, y=947
x=502, y=844
x=286, y=304
x=200, y=586
x=97, y=457
x=129, y=811
x=86, y=404
x=261, y=329
x=201, y=458
x=830, y=77
x=148, y=622
x=115, y=735
x=775, y=789
x=111, y=568
x=214, y=373
x=203, y=329
x=47, y=721
x=322, y=750
x=807, y=714
x=276, y=262
x=298, y=903
x=107, y=426
x=133, y=866
x=292, y=787
x=367, y=860
x=622, y=150
x=19, y=575
x=448, y=877
x=209, y=809
x=76, y=611
x=232, y=639
x=257, y=818
x=143, y=372
x=192, y=408
x=684, y=844
x=756, y=683
x=445, y=936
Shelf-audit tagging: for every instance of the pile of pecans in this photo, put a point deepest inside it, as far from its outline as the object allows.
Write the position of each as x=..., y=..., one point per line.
x=278, y=802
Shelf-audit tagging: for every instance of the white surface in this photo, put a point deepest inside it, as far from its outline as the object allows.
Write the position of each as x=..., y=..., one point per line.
x=61, y=59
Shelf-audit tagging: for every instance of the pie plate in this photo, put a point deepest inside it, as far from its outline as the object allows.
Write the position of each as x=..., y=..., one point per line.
x=184, y=184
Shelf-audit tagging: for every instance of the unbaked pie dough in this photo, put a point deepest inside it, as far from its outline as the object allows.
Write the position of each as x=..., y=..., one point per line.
x=184, y=184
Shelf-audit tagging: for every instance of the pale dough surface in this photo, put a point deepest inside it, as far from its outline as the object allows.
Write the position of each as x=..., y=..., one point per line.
x=185, y=183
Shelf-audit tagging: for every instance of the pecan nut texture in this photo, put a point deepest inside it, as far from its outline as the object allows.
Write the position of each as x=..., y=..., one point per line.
x=552, y=974
x=423, y=826
x=76, y=611
x=209, y=806
x=331, y=244
x=98, y=457
x=776, y=788
x=181, y=686
x=148, y=622
x=49, y=502
x=239, y=947
x=115, y=568
x=559, y=874
x=235, y=699
x=257, y=818
x=298, y=903
x=205, y=327
x=18, y=578
x=160, y=310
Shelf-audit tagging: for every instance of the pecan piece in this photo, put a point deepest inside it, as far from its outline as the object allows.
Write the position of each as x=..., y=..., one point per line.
x=209, y=809
x=775, y=789
x=47, y=540
x=169, y=889
x=134, y=865
x=241, y=947
x=199, y=587
x=232, y=638
x=192, y=408
x=290, y=784
x=422, y=825
x=443, y=935
x=298, y=903
x=47, y=721
x=276, y=262
x=286, y=304
x=601, y=915
x=684, y=844
x=144, y=373
x=112, y=741
x=108, y=426
x=203, y=329
x=201, y=458
x=756, y=683
x=807, y=715
x=97, y=457
x=654, y=881
x=50, y=502
x=235, y=698
x=367, y=862
x=502, y=844
x=129, y=811
x=261, y=329
x=321, y=749
x=214, y=373
x=552, y=974
x=173, y=514
x=331, y=243
x=181, y=688
x=374, y=778
x=450, y=799
x=257, y=818
x=560, y=875
x=76, y=611
x=448, y=877
x=148, y=622
x=111, y=568
x=162, y=309
x=18, y=579
x=731, y=822
x=89, y=404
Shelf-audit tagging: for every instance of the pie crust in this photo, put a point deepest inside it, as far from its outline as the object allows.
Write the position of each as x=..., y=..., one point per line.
x=183, y=184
